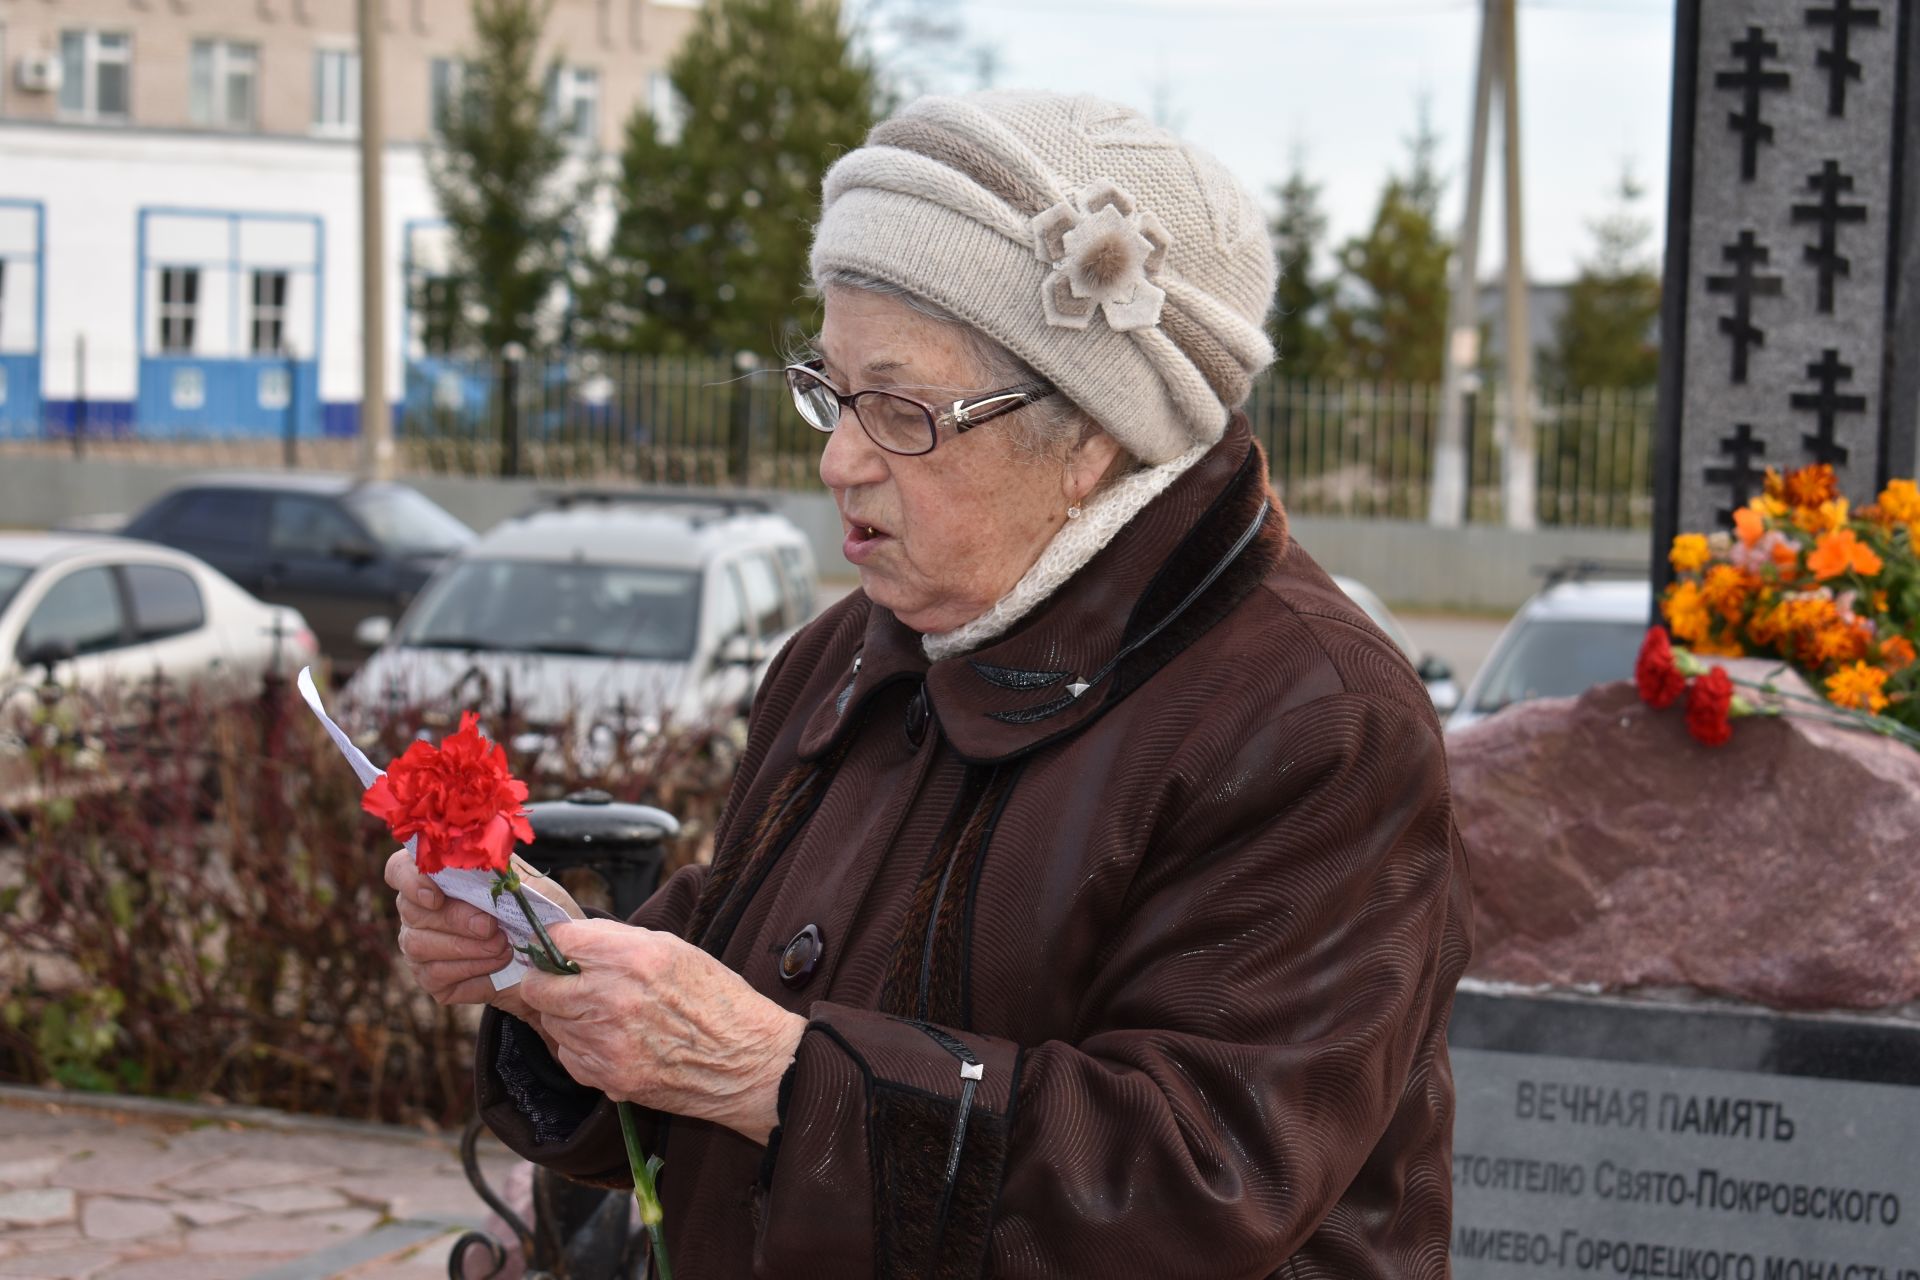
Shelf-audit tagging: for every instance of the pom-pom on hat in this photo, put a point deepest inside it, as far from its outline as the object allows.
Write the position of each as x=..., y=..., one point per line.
x=1126, y=266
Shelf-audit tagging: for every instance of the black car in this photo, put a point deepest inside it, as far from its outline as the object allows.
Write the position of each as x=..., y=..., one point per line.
x=336, y=549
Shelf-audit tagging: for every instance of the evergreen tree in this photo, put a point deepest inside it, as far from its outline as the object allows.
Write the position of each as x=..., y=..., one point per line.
x=1389, y=317
x=497, y=174
x=714, y=219
x=1299, y=325
x=1605, y=337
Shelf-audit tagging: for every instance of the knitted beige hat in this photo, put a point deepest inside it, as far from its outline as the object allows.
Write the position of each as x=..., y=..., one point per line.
x=1127, y=266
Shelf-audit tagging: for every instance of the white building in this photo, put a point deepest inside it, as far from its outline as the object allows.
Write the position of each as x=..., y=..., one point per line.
x=179, y=197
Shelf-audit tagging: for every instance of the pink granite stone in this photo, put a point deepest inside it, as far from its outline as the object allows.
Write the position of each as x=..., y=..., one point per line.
x=1610, y=849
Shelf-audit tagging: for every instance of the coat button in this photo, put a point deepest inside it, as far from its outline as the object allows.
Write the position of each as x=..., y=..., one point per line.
x=917, y=716
x=799, y=958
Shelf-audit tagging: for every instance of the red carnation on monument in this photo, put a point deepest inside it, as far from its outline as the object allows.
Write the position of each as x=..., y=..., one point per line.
x=1710, y=708
x=1661, y=681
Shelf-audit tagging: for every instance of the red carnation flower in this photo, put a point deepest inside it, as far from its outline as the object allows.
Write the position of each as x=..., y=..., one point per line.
x=458, y=798
x=1710, y=708
x=1660, y=681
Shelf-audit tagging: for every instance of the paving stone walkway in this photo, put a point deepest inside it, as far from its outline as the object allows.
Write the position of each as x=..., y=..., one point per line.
x=121, y=1189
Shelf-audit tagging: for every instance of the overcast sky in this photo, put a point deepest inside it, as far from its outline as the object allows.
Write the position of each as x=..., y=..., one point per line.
x=1251, y=79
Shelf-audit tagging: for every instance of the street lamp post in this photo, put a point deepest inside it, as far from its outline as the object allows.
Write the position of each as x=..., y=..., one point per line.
x=376, y=423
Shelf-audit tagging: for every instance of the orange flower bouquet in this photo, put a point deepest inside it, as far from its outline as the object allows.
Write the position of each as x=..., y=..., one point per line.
x=1833, y=592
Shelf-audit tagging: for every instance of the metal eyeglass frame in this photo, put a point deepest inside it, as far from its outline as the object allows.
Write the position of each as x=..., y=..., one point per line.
x=962, y=415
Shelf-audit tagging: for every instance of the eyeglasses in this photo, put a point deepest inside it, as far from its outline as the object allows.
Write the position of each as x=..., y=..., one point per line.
x=897, y=423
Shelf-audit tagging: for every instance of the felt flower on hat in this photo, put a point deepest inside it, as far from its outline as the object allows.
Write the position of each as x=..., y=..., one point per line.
x=1105, y=252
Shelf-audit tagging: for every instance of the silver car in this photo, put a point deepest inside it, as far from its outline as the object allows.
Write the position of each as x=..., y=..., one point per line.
x=601, y=610
x=104, y=614
x=1571, y=636
x=102, y=618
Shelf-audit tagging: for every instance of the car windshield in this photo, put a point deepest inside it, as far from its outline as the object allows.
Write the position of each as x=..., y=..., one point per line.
x=1560, y=658
x=407, y=521
x=11, y=576
x=589, y=610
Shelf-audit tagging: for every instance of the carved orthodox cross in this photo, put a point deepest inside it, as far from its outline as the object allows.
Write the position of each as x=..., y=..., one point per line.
x=1739, y=476
x=1837, y=58
x=1752, y=78
x=1829, y=215
x=1744, y=286
x=1827, y=404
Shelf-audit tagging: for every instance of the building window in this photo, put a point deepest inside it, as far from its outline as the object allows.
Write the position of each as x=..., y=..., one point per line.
x=664, y=104
x=439, y=309
x=179, y=302
x=225, y=84
x=336, y=91
x=573, y=103
x=95, y=70
x=269, y=313
x=448, y=78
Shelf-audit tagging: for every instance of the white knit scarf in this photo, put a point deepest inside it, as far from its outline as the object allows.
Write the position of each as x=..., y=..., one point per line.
x=1077, y=542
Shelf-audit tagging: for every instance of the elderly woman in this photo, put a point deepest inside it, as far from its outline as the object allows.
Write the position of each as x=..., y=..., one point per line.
x=1089, y=900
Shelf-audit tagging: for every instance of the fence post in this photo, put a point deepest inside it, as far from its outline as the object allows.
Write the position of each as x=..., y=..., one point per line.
x=79, y=395
x=1470, y=426
x=290, y=432
x=510, y=410
x=740, y=414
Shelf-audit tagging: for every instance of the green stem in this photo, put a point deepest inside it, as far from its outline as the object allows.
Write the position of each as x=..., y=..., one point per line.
x=1828, y=712
x=554, y=962
x=644, y=1194
x=1841, y=718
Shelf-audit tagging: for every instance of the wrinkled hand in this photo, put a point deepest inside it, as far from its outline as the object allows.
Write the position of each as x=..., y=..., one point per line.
x=450, y=947
x=654, y=1020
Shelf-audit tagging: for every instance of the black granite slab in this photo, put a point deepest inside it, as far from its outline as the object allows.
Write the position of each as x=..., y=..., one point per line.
x=1611, y=1136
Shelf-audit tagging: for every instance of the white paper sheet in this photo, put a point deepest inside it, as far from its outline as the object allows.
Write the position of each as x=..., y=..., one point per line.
x=475, y=888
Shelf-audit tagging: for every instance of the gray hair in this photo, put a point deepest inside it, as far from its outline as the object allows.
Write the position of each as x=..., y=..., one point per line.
x=1045, y=427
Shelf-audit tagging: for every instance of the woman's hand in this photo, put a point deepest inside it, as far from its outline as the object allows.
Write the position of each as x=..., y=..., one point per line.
x=655, y=1020
x=450, y=947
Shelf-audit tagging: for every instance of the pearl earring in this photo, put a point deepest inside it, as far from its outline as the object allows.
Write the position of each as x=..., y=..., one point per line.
x=1073, y=512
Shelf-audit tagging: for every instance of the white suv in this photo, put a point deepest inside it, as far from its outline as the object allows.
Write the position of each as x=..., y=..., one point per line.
x=1574, y=634
x=600, y=609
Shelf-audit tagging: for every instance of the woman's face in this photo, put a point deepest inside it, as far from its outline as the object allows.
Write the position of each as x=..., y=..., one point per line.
x=954, y=529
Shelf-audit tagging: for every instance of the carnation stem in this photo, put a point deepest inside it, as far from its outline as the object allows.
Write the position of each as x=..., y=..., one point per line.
x=552, y=961
x=1842, y=718
x=644, y=1194
x=1834, y=714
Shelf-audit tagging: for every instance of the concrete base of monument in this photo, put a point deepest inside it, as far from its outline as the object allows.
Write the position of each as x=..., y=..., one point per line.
x=1612, y=851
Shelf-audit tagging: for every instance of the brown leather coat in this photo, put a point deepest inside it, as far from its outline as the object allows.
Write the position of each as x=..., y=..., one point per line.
x=1145, y=978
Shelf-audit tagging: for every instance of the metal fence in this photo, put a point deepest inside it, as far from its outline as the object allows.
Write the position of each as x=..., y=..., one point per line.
x=1366, y=449
x=1336, y=448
